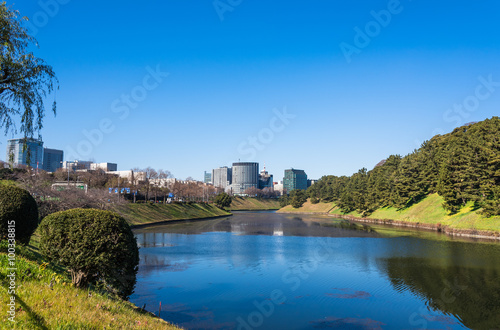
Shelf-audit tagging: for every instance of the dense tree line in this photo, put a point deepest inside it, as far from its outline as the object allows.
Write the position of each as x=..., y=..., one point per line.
x=462, y=166
x=295, y=198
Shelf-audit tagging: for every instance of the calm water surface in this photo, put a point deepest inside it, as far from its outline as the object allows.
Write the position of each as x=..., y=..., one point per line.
x=264, y=270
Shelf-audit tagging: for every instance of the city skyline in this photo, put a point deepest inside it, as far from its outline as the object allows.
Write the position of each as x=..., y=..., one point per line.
x=325, y=87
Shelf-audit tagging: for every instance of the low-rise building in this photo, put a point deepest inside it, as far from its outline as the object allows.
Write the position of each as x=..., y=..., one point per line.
x=76, y=165
x=130, y=176
x=310, y=182
x=106, y=167
x=278, y=186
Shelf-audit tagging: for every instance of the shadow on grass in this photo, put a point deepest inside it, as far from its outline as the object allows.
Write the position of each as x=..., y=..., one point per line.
x=475, y=206
x=37, y=320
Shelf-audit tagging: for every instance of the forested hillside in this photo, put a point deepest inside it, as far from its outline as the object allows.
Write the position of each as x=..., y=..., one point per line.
x=461, y=166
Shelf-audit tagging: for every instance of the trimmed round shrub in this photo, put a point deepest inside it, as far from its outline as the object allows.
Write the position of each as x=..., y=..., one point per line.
x=98, y=248
x=17, y=205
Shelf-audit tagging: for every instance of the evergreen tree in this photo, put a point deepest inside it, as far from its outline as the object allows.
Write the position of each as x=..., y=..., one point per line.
x=462, y=166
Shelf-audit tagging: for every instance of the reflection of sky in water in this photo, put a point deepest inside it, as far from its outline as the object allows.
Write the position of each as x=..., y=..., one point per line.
x=210, y=274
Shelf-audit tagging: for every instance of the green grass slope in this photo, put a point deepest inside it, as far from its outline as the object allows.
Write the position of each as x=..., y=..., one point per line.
x=308, y=207
x=140, y=214
x=42, y=305
x=251, y=203
x=430, y=211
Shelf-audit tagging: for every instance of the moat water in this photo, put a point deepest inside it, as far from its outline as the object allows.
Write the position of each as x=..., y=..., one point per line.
x=263, y=270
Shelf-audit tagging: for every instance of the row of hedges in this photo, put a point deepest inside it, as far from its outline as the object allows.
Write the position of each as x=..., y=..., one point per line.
x=98, y=247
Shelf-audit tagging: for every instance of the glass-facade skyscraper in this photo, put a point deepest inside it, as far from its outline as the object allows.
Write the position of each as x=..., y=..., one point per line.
x=52, y=159
x=294, y=179
x=18, y=155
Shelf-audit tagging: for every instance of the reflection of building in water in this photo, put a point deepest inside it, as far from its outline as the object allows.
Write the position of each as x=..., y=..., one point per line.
x=153, y=239
x=278, y=231
x=237, y=228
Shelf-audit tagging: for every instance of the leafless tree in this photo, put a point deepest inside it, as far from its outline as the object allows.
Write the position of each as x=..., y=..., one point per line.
x=61, y=174
x=150, y=174
x=253, y=191
x=269, y=192
x=96, y=179
x=163, y=187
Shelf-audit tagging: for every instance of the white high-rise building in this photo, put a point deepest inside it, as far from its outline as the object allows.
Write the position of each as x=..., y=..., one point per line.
x=221, y=177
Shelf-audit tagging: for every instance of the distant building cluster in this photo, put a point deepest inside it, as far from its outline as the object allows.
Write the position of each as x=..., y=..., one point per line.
x=49, y=160
x=240, y=177
x=34, y=154
x=244, y=175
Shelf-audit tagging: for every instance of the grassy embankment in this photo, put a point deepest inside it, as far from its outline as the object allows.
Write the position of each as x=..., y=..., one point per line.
x=428, y=211
x=308, y=207
x=140, y=214
x=253, y=204
x=40, y=305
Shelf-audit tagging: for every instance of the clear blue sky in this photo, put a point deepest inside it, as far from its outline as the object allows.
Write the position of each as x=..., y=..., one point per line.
x=225, y=77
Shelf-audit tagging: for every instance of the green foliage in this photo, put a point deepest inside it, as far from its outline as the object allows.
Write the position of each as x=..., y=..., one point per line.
x=491, y=205
x=297, y=198
x=284, y=200
x=223, y=200
x=296, y=202
x=17, y=205
x=25, y=80
x=10, y=174
x=314, y=200
x=462, y=166
x=98, y=247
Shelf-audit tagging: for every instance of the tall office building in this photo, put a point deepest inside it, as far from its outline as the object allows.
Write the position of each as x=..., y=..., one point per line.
x=221, y=177
x=52, y=159
x=18, y=155
x=294, y=179
x=245, y=175
x=265, y=179
x=207, y=177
